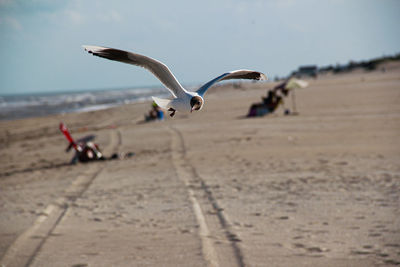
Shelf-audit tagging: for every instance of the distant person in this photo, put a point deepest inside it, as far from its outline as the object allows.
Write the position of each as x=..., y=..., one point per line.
x=90, y=151
x=272, y=101
x=85, y=150
x=155, y=113
x=269, y=104
x=282, y=88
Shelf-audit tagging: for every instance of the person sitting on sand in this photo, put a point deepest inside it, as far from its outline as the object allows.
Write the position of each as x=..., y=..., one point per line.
x=155, y=113
x=88, y=152
x=85, y=150
x=269, y=105
x=273, y=100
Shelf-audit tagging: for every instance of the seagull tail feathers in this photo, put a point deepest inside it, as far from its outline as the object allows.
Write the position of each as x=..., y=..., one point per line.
x=162, y=103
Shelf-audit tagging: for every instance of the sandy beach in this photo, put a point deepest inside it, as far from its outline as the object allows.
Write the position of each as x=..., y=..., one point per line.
x=213, y=188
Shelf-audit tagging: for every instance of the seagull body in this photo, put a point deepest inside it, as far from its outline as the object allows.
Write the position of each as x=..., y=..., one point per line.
x=183, y=100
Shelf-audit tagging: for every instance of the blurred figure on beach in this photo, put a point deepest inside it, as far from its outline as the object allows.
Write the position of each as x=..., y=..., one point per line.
x=85, y=150
x=89, y=152
x=275, y=98
x=155, y=113
x=269, y=104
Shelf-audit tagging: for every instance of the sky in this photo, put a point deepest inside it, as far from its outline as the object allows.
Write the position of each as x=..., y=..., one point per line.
x=41, y=40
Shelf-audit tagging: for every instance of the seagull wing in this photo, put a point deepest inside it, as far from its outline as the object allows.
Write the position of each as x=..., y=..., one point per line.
x=236, y=74
x=159, y=69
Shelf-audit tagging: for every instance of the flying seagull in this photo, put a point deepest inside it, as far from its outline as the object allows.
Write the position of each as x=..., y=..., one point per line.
x=183, y=100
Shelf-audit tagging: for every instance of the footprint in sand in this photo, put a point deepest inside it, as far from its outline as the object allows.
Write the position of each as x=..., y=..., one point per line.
x=283, y=218
x=312, y=249
x=392, y=262
x=360, y=252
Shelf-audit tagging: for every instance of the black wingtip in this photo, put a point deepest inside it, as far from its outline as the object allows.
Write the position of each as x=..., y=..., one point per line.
x=254, y=75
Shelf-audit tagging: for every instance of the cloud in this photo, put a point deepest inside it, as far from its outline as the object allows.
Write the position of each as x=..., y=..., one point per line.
x=5, y=2
x=285, y=4
x=79, y=17
x=110, y=16
x=10, y=22
x=74, y=16
x=30, y=6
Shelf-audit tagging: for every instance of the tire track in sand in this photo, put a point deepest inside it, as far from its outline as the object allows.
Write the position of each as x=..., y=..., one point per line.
x=209, y=233
x=24, y=249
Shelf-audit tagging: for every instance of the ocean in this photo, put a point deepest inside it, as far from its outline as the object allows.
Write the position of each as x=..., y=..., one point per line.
x=41, y=104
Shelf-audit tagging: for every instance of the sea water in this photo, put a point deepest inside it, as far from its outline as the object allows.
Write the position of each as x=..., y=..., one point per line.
x=41, y=104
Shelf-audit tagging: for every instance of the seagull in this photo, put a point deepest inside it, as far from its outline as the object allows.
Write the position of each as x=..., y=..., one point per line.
x=182, y=100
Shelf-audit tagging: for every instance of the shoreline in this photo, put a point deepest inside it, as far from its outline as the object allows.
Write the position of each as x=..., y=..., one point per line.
x=44, y=104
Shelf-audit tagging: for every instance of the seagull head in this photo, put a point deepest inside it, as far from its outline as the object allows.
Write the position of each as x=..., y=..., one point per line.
x=196, y=102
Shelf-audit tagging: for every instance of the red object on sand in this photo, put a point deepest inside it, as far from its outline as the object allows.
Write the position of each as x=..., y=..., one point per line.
x=65, y=131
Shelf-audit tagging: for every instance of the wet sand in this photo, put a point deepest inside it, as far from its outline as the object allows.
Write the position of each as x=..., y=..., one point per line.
x=213, y=188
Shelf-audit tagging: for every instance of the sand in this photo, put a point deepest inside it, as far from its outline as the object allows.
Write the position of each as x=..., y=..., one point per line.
x=213, y=188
